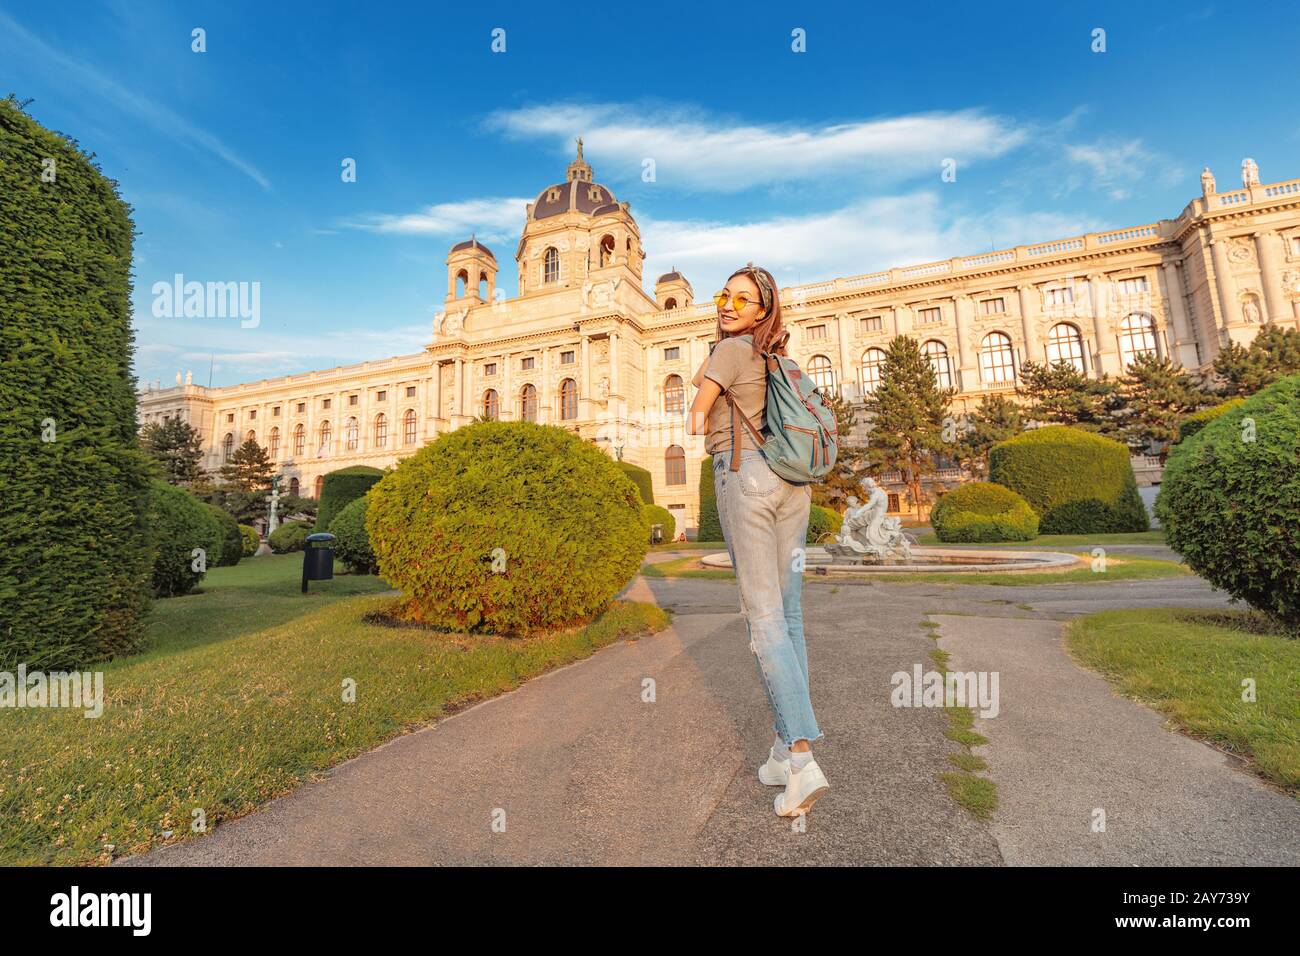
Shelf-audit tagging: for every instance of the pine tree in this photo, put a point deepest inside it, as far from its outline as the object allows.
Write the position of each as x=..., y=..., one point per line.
x=1059, y=394
x=1241, y=371
x=1154, y=397
x=908, y=411
x=996, y=419
x=176, y=446
x=249, y=469
x=850, y=458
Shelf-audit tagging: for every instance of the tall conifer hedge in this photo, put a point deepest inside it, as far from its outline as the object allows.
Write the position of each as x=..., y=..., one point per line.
x=74, y=554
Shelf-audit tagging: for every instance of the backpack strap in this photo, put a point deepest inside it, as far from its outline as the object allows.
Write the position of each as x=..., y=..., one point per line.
x=737, y=416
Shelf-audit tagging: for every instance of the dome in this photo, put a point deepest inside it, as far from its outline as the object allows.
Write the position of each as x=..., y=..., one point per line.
x=668, y=277
x=576, y=194
x=472, y=243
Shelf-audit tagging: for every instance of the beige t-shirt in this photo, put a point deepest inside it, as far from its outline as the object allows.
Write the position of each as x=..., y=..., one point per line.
x=740, y=370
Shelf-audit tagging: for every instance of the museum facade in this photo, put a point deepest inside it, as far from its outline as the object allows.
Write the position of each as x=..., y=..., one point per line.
x=584, y=347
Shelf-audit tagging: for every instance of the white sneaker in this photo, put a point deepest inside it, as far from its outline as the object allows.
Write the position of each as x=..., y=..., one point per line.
x=775, y=772
x=801, y=790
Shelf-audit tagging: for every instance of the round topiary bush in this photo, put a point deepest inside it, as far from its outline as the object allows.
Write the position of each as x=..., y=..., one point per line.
x=508, y=527
x=341, y=488
x=983, y=511
x=1076, y=481
x=251, y=540
x=655, y=514
x=232, y=542
x=179, y=523
x=1230, y=501
x=290, y=536
x=74, y=548
x=822, y=521
x=353, y=544
x=1194, y=422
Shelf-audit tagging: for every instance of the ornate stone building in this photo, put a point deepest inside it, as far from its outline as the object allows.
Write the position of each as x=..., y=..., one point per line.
x=583, y=347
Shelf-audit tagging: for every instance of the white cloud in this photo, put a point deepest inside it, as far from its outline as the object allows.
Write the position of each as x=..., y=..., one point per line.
x=491, y=219
x=695, y=149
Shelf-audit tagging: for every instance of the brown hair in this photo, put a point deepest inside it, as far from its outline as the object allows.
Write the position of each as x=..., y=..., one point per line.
x=769, y=333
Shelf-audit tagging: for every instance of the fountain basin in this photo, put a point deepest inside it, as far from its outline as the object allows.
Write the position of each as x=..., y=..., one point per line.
x=947, y=560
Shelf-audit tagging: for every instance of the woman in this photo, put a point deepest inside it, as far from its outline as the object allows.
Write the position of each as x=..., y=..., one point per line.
x=764, y=521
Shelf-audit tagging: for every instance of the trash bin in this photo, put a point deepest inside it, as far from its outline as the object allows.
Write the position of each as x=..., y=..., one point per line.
x=317, y=558
x=656, y=534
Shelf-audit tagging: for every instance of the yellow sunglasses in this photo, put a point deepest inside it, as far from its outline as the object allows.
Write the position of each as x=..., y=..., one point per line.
x=738, y=301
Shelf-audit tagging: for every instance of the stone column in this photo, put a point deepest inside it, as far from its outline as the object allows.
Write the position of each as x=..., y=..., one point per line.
x=458, y=390
x=584, y=395
x=506, y=409
x=1270, y=273
x=649, y=391
x=613, y=365
x=1184, y=338
x=848, y=388
x=544, y=415
x=1028, y=322
x=1230, y=315
x=964, y=309
x=1107, y=360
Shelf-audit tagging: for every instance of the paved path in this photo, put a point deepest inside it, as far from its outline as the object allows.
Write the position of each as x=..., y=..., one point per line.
x=583, y=770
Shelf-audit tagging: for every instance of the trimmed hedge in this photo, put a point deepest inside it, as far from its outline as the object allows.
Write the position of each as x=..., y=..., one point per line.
x=506, y=527
x=710, y=525
x=232, y=541
x=1076, y=481
x=178, y=523
x=641, y=478
x=250, y=539
x=341, y=488
x=654, y=514
x=352, y=546
x=290, y=536
x=74, y=554
x=822, y=520
x=983, y=511
x=1194, y=422
x=1230, y=501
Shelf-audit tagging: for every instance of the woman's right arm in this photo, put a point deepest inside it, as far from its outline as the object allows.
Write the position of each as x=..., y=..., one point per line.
x=698, y=423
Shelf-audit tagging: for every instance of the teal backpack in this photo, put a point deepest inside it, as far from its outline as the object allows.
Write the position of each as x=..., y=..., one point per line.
x=798, y=439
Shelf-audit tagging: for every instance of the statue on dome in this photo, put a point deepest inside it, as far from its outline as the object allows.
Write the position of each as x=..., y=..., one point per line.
x=1249, y=172
x=1207, y=182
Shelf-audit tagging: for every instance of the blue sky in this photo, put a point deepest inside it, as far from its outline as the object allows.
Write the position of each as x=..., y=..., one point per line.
x=816, y=164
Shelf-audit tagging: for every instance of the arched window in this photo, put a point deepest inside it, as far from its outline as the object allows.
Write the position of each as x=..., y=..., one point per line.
x=294, y=484
x=351, y=435
x=937, y=353
x=408, y=427
x=528, y=404
x=869, y=371
x=320, y=484
x=326, y=434
x=551, y=268
x=1065, y=344
x=675, y=465
x=227, y=446
x=568, y=399
x=275, y=443
x=1137, y=336
x=997, y=361
x=462, y=283
x=823, y=373
x=670, y=303
x=299, y=441
x=251, y=436
x=381, y=430
x=674, y=395
x=491, y=404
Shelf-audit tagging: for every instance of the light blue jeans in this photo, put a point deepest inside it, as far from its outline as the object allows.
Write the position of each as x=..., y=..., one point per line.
x=764, y=520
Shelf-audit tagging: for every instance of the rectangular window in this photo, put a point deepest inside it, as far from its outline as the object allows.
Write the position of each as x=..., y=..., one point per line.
x=1134, y=286
x=816, y=332
x=871, y=323
x=929, y=316
x=1058, y=297
x=672, y=354
x=252, y=413
x=992, y=306
x=566, y=358
x=526, y=363
x=302, y=407
x=230, y=417
x=325, y=403
x=410, y=391
x=381, y=396
x=490, y=368
x=275, y=412
x=1295, y=246
x=352, y=399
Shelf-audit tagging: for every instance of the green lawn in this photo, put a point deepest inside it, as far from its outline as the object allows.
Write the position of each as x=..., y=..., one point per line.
x=1118, y=568
x=1056, y=542
x=240, y=700
x=1192, y=671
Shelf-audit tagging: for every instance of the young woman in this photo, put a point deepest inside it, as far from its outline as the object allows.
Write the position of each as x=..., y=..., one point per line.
x=764, y=520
